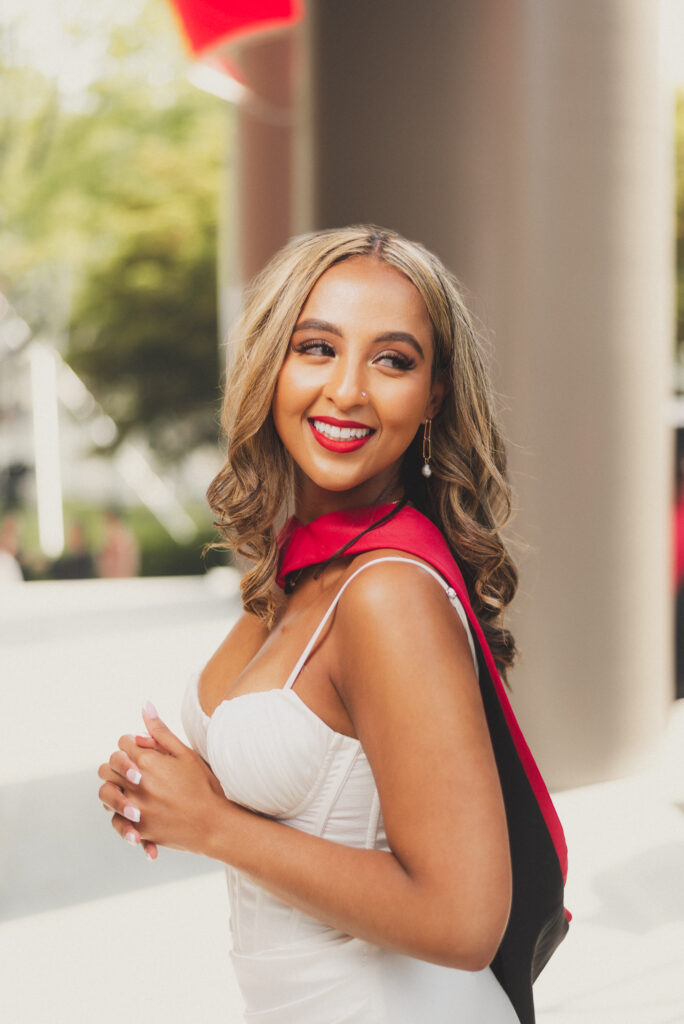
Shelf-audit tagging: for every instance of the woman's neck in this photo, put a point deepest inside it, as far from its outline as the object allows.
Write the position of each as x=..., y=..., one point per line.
x=312, y=502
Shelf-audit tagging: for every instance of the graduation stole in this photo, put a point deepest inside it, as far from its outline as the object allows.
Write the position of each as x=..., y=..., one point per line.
x=538, y=920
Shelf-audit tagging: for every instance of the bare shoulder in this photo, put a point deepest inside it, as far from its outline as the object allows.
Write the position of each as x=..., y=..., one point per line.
x=396, y=614
x=398, y=588
x=392, y=565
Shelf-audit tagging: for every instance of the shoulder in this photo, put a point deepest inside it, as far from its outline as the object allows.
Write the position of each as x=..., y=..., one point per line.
x=382, y=577
x=398, y=605
x=401, y=661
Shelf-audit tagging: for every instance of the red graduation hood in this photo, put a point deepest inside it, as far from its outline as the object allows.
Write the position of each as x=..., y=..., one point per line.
x=207, y=24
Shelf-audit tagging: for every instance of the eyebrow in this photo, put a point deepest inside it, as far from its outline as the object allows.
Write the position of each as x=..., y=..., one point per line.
x=318, y=325
x=325, y=325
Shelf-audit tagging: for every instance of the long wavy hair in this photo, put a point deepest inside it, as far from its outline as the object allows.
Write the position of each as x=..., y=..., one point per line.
x=468, y=496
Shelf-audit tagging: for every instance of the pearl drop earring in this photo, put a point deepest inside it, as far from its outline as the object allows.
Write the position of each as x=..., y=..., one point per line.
x=426, y=469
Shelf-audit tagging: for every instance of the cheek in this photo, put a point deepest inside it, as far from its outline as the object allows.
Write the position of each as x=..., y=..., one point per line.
x=289, y=400
x=403, y=409
x=280, y=417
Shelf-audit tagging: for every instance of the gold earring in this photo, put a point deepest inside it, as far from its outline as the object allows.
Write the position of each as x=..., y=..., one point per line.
x=426, y=469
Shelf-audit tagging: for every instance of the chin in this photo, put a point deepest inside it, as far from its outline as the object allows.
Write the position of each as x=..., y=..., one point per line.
x=340, y=486
x=364, y=490
x=344, y=479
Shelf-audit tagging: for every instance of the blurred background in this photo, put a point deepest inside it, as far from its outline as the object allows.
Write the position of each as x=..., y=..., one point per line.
x=153, y=155
x=111, y=175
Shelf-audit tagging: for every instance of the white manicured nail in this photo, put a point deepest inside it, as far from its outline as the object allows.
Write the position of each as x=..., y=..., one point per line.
x=132, y=813
x=131, y=838
x=134, y=776
x=150, y=710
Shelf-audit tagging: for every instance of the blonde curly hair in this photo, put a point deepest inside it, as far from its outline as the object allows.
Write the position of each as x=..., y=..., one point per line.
x=468, y=496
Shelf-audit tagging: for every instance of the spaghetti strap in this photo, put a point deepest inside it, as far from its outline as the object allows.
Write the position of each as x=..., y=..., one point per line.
x=448, y=590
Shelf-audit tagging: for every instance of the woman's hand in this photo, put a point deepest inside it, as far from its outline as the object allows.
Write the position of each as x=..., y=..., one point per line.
x=146, y=741
x=161, y=791
x=132, y=774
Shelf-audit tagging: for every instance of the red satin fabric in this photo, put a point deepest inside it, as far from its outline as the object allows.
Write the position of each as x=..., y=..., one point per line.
x=208, y=23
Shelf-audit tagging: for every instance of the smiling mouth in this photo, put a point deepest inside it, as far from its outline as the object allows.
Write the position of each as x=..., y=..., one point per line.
x=340, y=438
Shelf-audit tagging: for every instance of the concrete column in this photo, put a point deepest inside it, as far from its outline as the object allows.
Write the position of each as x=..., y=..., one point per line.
x=589, y=370
x=267, y=155
x=256, y=216
x=527, y=142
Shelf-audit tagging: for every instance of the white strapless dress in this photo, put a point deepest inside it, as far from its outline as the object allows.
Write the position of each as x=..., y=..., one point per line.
x=274, y=755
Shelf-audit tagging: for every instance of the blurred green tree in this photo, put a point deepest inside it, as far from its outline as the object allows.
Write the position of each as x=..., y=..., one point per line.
x=144, y=321
x=114, y=199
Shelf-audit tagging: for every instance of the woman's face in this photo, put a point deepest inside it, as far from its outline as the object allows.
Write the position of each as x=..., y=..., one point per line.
x=356, y=385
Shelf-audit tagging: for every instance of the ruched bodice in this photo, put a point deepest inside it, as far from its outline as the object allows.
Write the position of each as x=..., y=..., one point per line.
x=282, y=759
x=274, y=755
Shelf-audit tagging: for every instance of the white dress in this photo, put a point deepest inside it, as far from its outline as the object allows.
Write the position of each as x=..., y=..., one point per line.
x=274, y=755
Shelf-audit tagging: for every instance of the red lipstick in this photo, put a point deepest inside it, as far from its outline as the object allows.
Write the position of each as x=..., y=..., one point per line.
x=341, y=423
x=351, y=444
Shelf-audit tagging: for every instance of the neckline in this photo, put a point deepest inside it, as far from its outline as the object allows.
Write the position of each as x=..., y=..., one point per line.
x=272, y=689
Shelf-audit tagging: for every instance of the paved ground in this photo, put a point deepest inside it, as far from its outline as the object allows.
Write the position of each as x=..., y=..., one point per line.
x=91, y=932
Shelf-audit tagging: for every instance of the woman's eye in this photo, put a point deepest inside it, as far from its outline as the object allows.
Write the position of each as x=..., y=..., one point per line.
x=316, y=347
x=396, y=360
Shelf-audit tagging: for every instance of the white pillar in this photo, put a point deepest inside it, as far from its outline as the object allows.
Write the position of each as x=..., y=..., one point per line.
x=528, y=143
x=589, y=371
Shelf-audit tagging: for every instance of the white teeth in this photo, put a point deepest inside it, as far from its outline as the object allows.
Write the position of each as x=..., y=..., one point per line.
x=341, y=433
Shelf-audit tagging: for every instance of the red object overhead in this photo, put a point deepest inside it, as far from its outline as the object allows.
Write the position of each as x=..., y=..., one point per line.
x=209, y=23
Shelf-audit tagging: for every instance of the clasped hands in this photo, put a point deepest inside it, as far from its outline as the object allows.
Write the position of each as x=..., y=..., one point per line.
x=160, y=791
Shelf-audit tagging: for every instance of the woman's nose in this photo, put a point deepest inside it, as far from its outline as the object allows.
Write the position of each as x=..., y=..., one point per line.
x=346, y=386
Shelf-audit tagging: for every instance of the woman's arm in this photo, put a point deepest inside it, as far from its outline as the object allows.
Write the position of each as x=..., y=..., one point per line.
x=405, y=673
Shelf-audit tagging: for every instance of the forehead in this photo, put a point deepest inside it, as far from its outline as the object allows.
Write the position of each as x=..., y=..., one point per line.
x=364, y=289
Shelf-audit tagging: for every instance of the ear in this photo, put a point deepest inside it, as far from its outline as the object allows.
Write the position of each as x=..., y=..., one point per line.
x=437, y=393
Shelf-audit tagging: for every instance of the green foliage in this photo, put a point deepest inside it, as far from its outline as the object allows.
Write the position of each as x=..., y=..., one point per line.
x=115, y=201
x=144, y=327
x=160, y=555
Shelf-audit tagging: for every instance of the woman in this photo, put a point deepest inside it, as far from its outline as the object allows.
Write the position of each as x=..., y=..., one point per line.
x=392, y=853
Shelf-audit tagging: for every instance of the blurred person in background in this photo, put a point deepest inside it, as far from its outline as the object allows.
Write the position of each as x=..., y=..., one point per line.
x=392, y=852
x=10, y=567
x=77, y=561
x=120, y=554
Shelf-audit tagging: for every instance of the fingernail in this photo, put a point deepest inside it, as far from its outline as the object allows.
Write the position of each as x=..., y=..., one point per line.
x=134, y=776
x=131, y=838
x=149, y=856
x=150, y=710
x=132, y=813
